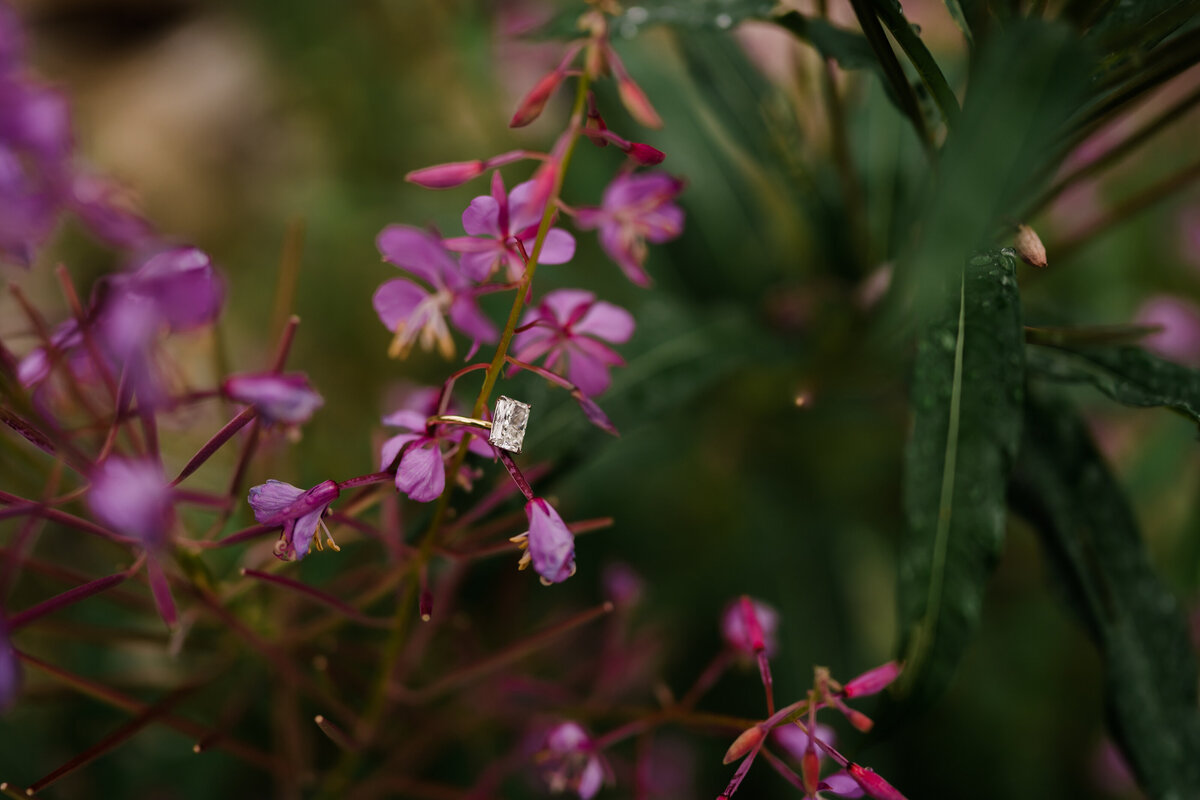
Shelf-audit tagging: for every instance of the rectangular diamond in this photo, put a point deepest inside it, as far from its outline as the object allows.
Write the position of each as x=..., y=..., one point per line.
x=508, y=424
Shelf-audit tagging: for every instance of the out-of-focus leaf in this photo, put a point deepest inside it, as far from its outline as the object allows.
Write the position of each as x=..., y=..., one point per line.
x=1063, y=487
x=1128, y=375
x=960, y=19
x=910, y=41
x=702, y=14
x=1027, y=79
x=849, y=49
x=967, y=400
x=1141, y=24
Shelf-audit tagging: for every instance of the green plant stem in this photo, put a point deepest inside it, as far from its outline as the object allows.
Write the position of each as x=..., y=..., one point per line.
x=342, y=774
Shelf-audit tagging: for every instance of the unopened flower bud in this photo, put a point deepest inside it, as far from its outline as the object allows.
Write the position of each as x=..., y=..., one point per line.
x=810, y=770
x=446, y=176
x=872, y=784
x=859, y=720
x=645, y=155
x=1030, y=247
x=872, y=681
x=635, y=100
x=748, y=740
x=531, y=107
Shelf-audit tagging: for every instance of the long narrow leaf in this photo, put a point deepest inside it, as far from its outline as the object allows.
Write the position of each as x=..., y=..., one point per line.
x=1062, y=486
x=966, y=396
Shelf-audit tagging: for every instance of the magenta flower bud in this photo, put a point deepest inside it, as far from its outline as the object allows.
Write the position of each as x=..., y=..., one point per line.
x=645, y=155
x=279, y=398
x=531, y=107
x=133, y=498
x=446, y=176
x=873, y=681
x=747, y=740
x=873, y=784
x=636, y=102
x=737, y=634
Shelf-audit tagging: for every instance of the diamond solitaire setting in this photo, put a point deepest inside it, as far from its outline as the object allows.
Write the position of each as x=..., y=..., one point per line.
x=508, y=424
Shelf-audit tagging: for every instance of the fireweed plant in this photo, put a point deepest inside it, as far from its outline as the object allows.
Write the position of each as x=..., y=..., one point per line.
x=95, y=392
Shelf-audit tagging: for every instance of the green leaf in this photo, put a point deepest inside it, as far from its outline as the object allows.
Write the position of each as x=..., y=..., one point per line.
x=910, y=42
x=1142, y=24
x=1063, y=487
x=1128, y=375
x=960, y=19
x=849, y=49
x=967, y=399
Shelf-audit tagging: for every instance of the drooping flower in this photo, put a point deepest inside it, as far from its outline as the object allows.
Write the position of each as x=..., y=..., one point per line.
x=635, y=209
x=549, y=543
x=414, y=313
x=740, y=636
x=496, y=222
x=421, y=473
x=567, y=328
x=299, y=511
x=132, y=497
x=570, y=763
x=288, y=399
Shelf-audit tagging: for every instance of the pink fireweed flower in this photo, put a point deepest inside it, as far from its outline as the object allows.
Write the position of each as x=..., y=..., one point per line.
x=635, y=209
x=740, y=637
x=414, y=313
x=297, y=510
x=548, y=544
x=286, y=399
x=570, y=763
x=1179, y=339
x=133, y=498
x=568, y=329
x=421, y=473
x=496, y=223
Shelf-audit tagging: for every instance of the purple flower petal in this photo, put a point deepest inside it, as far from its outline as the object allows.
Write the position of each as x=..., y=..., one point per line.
x=559, y=247
x=551, y=544
x=479, y=265
x=268, y=500
x=586, y=370
x=303, y=530
x=622, y=248
x=591, y=779
x=407, y=418
x=795, y=741
x=418, y=252
x=392, y=447
x=103, y=207
x=606, y=321
x=279, y=398
x=482, y=217
x=841, y=784
x=396, y=300
x=133, y=498
x=184, y=285
x=525, y=207
x=566, y=305
x=466, y=315
x=422, y=473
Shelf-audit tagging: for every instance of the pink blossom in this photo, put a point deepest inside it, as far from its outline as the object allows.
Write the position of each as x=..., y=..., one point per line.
x=133, y=498
x=413, y=312
x=740, y=636
x=421, y=473
x=635, y=209
x=569, y=328
x=570, y=762
x=288, y=399
x=496, y=222
x=1179, y=339
x=297, y=510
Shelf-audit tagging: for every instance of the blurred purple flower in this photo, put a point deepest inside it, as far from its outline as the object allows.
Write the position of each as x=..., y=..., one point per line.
x=410, y=311
x=297, y=510
x=186, y=289
x=566, y=328
x=108, y=210
x=570, y=762
x=841, y=784
x=740, y=637
x=496, y=222
x=1179, y=339
x=133, y=498
x=288, y=399
x=551, y=543
x=10, y=667
x=794, y=741
x=421, y=473
x=635, y=209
